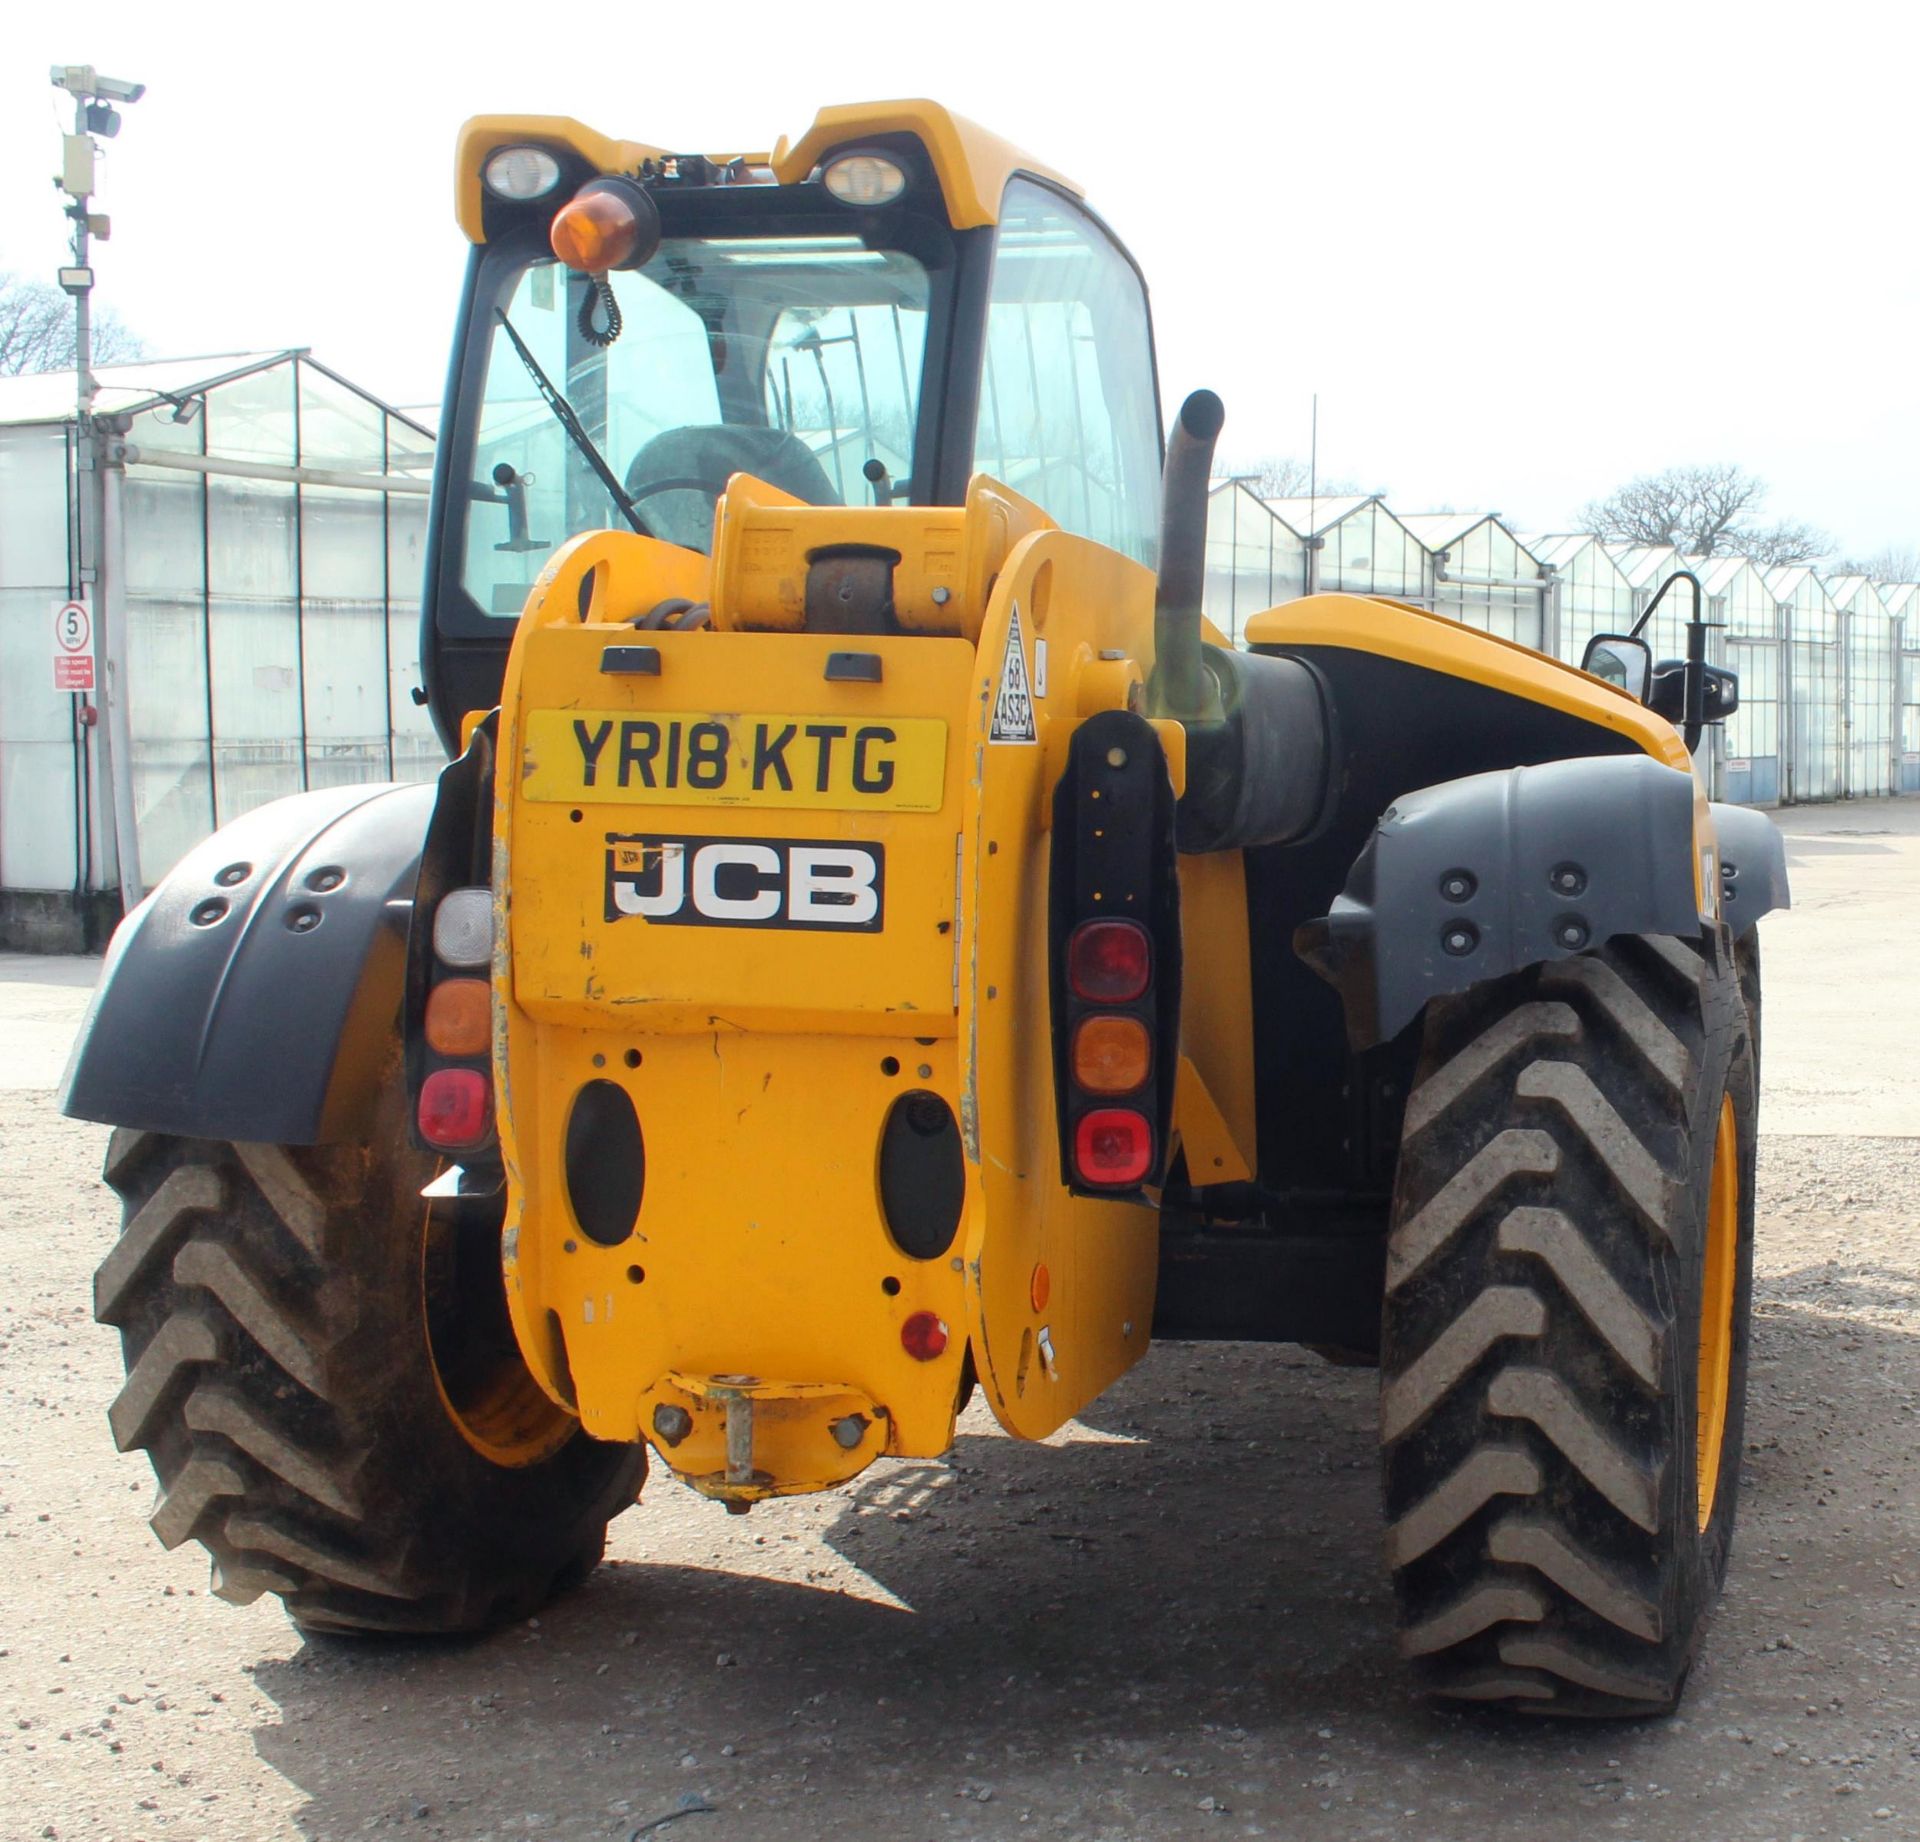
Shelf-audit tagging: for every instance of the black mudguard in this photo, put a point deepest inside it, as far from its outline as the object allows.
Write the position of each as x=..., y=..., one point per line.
x=1476, y=878
x=1753, y=865
x=255, y=995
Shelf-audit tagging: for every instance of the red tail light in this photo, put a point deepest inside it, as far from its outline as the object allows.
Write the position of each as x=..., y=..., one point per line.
x=1113, y=1147
x=456, y=1108
x=1109, y=962
x=923, y=1336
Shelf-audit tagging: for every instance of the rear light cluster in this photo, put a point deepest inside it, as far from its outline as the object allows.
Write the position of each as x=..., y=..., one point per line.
x=455, y=1108
x=1114, y=951
x=1110, y=1053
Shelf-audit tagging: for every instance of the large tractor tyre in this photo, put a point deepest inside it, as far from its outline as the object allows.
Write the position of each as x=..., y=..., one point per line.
x=1564, y=1356
x=1746, y=962
x=320, y=1366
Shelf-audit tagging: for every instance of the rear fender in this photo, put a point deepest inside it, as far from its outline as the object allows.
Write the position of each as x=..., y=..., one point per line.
x=1753, y=865
x=255, y=994
x=1476, y=878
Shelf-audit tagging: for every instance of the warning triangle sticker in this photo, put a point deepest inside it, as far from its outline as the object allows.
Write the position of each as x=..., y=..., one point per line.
x=1013, y=704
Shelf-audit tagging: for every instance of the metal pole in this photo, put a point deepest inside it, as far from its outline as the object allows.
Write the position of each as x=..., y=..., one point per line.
x=86, y=450
x=82, y=296
x=117, y=728
x=100, y=572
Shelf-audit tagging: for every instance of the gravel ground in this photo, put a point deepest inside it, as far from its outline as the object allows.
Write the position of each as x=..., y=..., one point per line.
x=1171, y=1621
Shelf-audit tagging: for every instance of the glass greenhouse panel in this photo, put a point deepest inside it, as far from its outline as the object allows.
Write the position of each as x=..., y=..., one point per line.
x=1254, y=561
x=339, y=428
x=1910, y=713
x=37, y=749
x=253, y=417
x=167, y=667
x=252, y=599
x=1871, y=693
x=416, y=751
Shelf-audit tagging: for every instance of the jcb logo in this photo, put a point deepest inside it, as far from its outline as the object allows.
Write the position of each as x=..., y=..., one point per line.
x=747, y=882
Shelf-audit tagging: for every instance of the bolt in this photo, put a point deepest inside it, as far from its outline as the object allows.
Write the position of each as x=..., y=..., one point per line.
x=1567, y=879
x=849, y=1431
x=329, y=878
x=206, y=913
x=303, y=920
x=1460, y=939
x=1571, y=933
x=1116, y=757
x=1458, y=885
x=234, y=873
x=942, y=595
x=673, y=1424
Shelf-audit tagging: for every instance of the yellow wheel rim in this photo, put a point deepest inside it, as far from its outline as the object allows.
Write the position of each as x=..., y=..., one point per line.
x=484, y=1384
x=1720, y=1258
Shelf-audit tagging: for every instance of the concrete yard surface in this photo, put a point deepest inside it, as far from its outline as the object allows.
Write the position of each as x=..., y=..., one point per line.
x=1171, y=1620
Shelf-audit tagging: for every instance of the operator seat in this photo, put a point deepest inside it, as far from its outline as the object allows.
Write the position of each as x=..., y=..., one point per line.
x=702, y=458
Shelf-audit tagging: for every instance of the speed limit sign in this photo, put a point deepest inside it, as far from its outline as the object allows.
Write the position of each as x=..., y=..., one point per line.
x=72, y=646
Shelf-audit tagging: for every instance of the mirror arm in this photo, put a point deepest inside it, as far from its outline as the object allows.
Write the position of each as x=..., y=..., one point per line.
x=1694, y=708
x=1695, y=719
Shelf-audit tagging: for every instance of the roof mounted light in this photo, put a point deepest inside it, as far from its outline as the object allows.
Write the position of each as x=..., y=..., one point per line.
x=607, y=224
x=864, y=180
x=521, y=173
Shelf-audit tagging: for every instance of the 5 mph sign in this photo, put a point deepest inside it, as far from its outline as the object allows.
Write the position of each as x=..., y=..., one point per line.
x=72, y=646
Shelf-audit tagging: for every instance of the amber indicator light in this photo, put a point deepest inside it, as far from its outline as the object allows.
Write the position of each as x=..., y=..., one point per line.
x=459, y=1017
x=1112, y=1055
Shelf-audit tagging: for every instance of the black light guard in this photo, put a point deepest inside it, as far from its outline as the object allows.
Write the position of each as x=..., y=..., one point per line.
x=1113, y=860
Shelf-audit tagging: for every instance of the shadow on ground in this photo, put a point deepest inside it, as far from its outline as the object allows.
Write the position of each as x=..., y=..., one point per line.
x=1175, y=1623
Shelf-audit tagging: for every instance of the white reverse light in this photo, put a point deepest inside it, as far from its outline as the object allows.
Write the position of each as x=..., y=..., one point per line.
x=520, y=173
x=864, y=179
x=463, y=927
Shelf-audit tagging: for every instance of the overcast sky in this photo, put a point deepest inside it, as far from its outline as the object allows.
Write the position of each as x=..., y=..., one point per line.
x=1521, y=253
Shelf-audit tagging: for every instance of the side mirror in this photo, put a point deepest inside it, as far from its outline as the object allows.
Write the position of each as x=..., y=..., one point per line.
x=1621, y=661
x=1719, y=692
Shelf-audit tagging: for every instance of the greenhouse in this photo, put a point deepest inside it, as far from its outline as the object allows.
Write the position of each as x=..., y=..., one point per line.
x=1829, y=671
x=1813, y=674
x=1483, y=576
x=1590, y=593
x=1902, y=602
x=267, y=563
x=1749, y=644
x=1255, y=559
x=1356, y=546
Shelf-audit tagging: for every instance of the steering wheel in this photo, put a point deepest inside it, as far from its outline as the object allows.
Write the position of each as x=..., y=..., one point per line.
x=678, y=483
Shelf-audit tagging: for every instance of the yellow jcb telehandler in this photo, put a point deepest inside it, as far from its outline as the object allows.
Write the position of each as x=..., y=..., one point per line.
x=873, y=941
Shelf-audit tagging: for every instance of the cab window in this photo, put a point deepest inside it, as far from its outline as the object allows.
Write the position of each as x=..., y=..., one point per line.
x=1068, y=415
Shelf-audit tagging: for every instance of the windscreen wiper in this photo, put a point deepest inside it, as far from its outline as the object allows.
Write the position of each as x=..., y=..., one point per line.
x=563, y=414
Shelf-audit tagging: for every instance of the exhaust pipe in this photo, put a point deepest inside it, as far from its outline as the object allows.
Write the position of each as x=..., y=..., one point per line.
x=1259, y=764
x=1182, y=687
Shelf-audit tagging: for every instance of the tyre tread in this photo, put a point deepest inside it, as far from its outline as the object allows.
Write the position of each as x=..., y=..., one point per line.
x=1529, y=1366
x=263, y=1377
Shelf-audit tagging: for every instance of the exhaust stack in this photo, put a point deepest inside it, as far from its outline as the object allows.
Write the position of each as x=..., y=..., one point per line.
x=1182, y=687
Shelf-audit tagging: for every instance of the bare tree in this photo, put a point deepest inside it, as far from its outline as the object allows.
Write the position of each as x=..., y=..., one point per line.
x=1277, y=476
x=1890, y=563
x=36, y=330
x=1781, y=543
x=1702, y=511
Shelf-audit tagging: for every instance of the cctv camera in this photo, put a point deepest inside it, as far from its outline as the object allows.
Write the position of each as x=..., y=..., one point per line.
x=84, y=81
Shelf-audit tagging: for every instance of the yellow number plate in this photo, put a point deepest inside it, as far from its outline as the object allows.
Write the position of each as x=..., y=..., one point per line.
x=696, y=758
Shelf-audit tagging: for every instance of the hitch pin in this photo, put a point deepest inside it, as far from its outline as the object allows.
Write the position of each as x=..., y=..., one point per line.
x=740, y=1439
